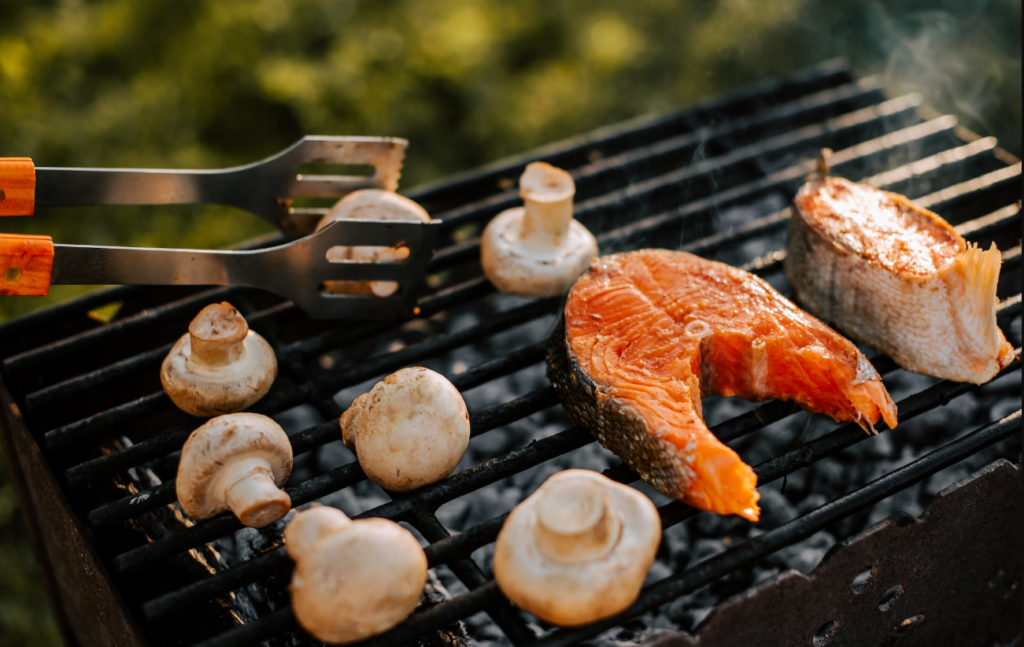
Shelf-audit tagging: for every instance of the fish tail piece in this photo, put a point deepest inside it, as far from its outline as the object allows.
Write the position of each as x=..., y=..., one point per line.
x=971, y=280
x=724, y=484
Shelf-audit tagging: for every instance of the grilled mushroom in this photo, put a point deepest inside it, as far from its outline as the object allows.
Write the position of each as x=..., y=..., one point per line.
x=410, y=430
x=538, y=250
x=236, y=462
x=578, y=549
x=219, y=366
x=352, y=579
x=370, y=204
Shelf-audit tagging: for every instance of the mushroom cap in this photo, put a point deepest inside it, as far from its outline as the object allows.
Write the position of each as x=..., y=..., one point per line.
x=214, y=390
x=573, y=590
x=410, y=430
x=215, y=446
x=358, y=582
x=310, y=526
x=370, y=204
x=515, y=268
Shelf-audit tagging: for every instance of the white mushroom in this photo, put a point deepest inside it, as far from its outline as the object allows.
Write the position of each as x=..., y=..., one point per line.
x=410, y=430
x=236, y=462
x=578, y=549
x=538, y=250
x=370, y=204
x=352, y=579
x=219, y=366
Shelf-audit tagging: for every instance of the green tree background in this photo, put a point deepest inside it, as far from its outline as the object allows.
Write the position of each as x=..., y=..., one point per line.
x=210, y=83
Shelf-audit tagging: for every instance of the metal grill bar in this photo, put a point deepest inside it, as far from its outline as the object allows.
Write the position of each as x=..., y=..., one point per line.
x=135, y=324
x=612, y=140
x=503, y=614
x=612, y=171
x=635, y=233
x=657, y=190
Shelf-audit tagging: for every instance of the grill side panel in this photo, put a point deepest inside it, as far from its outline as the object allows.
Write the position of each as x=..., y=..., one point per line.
x=932, y=581
x=89, y=609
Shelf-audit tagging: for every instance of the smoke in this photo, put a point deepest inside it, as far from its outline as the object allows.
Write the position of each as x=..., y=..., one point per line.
x=962, y=60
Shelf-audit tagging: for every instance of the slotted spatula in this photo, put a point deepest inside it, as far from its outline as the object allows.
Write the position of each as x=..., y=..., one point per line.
x=264, y=188
x=296, y=270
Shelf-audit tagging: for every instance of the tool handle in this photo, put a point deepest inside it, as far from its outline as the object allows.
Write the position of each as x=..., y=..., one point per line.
x=25, y=264
x=17, y=186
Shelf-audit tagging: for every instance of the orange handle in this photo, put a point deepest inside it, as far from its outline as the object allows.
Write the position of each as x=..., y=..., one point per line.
x=17, y=186
x=25, y=264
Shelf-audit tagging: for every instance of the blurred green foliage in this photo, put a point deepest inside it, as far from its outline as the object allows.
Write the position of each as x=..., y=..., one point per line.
x=209, y=83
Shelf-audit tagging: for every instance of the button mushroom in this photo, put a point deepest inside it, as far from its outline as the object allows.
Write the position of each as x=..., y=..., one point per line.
x=578, y=549
x=352, y=579
x=219, y=366
x=538, y=250
x=236, y=462
x=370, y=204
x=410, y=430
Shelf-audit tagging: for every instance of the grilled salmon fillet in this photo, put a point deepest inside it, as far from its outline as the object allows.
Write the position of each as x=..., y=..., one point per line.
x=647, y=333
x=896, y=277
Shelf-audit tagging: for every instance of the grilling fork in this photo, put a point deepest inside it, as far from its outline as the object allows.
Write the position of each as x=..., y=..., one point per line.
x=296, y=270
x=264, y=188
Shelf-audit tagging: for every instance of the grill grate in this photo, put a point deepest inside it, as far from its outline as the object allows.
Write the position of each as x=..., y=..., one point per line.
x=90, y=394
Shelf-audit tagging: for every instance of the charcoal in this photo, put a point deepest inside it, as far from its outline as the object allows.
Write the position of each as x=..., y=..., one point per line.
x=775, y=508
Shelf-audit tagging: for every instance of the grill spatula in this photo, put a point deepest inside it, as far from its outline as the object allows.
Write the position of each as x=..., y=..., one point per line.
x=264, y=188
x=296, y=270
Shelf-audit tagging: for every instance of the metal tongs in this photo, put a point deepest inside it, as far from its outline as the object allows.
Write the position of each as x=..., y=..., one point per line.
x=295, y=270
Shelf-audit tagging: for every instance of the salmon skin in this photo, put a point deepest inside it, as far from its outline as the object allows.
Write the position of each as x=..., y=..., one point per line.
x=647, y=333
x=896, y=277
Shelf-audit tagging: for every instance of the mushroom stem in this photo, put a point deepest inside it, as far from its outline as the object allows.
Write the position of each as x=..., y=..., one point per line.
x=250, y=492
x=218, y=335
x=547, y=193
x=576, y=524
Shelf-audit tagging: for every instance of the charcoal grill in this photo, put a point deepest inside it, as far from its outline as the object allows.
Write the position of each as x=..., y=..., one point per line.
x=92, y=439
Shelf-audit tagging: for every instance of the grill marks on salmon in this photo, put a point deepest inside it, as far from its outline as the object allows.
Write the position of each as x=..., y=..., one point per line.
x=898, y=278
x=647, y=333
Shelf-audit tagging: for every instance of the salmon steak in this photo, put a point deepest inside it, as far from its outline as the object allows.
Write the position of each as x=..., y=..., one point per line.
x=646, y=334
x=896, y=277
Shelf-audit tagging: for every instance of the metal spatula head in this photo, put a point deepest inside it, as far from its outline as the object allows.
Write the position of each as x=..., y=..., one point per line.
x=297, y=270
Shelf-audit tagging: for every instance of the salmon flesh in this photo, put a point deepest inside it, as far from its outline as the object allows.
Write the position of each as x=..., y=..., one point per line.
x=898, y=278
x=647, y=333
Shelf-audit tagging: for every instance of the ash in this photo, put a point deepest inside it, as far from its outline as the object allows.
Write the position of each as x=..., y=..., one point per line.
x=682, y=545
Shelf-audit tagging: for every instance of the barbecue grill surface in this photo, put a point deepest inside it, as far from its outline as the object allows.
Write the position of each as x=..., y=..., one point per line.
x=713, y=180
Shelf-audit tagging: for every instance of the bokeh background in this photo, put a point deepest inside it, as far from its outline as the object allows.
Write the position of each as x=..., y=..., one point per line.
x=212, y=83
